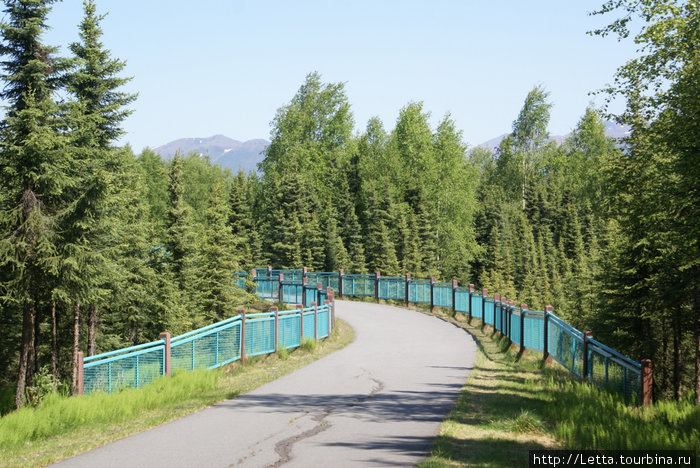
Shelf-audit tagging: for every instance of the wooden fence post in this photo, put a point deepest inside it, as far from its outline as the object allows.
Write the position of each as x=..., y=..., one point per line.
x=242, y=312
x=81, y=375
x=408, y=280
x=587, y=335
x=454, y=296
x=376, y=286
x=484, y=293
x=471, y=291
x=496, y=305
x=280, y=290
x=523, y=311
x=545, y=336
x=340, y=283
x=647, y=382
x=166, y=368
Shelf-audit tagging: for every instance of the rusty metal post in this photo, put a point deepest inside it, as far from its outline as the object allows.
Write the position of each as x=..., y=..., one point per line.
x=523, y=311
x=587, y=335
x=471, y=291
x=484, y=293
x=432, y=299
x=496, y=306
x=408, y=280
x=454, y=296
x=545, y=336
x=376, y=286
x=280, y=296
x=340, y=283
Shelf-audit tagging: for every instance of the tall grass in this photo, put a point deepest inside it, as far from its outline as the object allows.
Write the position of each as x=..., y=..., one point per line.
x=60, y=414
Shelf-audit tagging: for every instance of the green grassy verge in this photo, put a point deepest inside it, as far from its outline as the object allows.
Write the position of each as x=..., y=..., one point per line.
x=512, y=404
x=62, y=427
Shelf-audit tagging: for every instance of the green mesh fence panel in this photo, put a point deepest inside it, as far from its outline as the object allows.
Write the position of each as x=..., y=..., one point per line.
x=267, y=287
x=291, y=292
x=358, y=285
x=289, y=275
x=462, y=300
x=419, y=291
x=392, y=287
x=488, y=310
x=322, y=322
x=534, y=330
x=442, y=294
x=129, y=370
x=311, y=295
x=515, y=327
x=476, y=305
x=207, y=349
x=288, y=333
x=259, y=335
x=326, y=278
x=611, y=370
x=565, y=345
x=309, y=323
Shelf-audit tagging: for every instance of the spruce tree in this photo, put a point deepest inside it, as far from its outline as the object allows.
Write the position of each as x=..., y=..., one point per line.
x=35, y=167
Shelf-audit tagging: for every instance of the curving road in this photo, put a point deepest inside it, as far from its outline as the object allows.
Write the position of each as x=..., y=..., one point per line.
x=377, y=402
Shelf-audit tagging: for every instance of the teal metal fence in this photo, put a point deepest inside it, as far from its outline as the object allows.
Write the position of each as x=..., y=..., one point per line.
x=207, y=347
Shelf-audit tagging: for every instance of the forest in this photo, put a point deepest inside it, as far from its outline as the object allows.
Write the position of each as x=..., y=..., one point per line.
x=102, y=248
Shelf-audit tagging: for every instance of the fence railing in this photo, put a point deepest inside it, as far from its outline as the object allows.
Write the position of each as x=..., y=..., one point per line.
x=214, y=345
x=540, y=331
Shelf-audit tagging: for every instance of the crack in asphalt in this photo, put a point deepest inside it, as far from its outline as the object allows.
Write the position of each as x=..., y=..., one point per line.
x=284, y=447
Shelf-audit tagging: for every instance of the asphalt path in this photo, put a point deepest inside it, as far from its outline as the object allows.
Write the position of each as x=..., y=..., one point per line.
x=377, y=402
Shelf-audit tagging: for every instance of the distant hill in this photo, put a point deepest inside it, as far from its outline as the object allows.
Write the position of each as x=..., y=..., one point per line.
x=612, y=130
x=221, y=149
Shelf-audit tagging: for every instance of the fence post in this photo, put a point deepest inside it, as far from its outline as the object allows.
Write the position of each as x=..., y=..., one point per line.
x=408, y=280
x=269, y=270
x=166, y=358
x=647, y=382
x=277, y=326
x=484, y=293
x=301, y=323
x=340, y=283
x=496, y=305
x=280, y=296
x=303, y=290
x=81, y=376
x=523, y=311
x=376, y=286
x=242, y=312
x=509, y=321
x=327, y=303
x=471, y=291
x=319, y=287
x=587, y=335
x=454, y=294
x=304, y=271
x=432, y=298
x=545, y=336
x=315, y=306
x=332, y=305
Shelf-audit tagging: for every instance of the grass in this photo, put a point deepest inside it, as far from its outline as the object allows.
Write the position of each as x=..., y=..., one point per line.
x=62, y=427
x=513, y=403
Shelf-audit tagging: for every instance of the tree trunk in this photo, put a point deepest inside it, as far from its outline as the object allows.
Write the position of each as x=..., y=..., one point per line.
x=677, y=377
x=76, y=346
x=37, y=324
x=92, y=321
x=54, y=341
x=25, y=351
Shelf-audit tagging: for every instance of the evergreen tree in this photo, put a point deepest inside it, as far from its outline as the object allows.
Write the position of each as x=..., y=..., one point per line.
x=35, y=168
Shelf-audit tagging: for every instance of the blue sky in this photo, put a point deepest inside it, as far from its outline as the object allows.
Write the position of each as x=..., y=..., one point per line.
x=225, y=67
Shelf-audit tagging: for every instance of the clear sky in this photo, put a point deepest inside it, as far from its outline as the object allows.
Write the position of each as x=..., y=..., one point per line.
x=225, y=66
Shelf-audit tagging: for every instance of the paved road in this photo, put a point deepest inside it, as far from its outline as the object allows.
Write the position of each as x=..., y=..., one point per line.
x=377, y=402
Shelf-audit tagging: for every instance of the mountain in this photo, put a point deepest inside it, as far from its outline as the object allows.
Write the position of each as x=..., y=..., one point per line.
x=227, y=152
x=612, y=129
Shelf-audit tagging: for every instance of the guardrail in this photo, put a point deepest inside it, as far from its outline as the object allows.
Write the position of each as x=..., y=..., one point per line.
x=212, y=346
x=541, y=331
